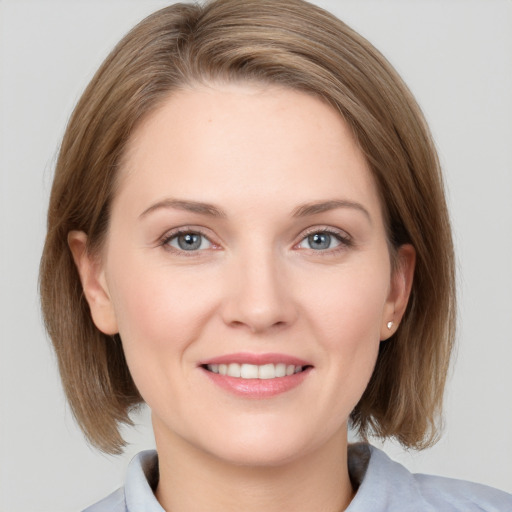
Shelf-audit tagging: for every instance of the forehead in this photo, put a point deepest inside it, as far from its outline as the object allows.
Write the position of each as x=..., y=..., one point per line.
x=211, y=142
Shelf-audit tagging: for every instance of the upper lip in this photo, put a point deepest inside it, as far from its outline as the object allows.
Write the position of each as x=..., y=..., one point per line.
x=256, y=359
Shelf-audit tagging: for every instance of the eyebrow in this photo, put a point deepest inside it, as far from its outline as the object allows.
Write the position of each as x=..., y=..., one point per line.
x=189, y=206
x=213, y=211
x=324, y=206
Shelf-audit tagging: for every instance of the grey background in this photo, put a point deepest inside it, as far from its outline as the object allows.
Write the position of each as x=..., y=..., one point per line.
x=456, y=55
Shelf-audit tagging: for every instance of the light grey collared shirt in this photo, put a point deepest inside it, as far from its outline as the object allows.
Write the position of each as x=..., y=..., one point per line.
x=383, y=486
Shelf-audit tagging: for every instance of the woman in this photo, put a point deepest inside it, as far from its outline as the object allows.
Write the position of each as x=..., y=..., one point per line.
x=248, y=232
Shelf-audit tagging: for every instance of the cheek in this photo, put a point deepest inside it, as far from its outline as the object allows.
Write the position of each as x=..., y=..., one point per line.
x=160, y=310
x=160, y=314
x=350, y=306
x=348, y=319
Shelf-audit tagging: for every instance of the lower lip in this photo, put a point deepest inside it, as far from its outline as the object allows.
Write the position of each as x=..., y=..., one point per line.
x=257, y=388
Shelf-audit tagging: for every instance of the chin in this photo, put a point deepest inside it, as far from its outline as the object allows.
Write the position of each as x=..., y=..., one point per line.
x=256, y=455
x=264, y=447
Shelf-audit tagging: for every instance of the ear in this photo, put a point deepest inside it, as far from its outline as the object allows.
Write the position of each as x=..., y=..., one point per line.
x=400, y=289
x=94, y=284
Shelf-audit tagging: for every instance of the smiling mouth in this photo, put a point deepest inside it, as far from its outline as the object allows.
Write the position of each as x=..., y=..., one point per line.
x=253, y=371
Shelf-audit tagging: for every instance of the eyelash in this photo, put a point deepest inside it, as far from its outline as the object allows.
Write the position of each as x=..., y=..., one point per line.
x=344, y=239
x=169, y=236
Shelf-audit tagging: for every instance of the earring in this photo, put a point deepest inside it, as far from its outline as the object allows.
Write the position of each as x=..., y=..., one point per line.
x=390, y=324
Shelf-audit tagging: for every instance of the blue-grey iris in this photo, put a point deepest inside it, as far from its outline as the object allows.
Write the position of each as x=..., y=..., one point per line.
x=319, y=241
x=189, y=241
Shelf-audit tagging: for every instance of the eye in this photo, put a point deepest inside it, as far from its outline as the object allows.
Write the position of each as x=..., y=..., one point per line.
x=188, y=241
x=323, y=241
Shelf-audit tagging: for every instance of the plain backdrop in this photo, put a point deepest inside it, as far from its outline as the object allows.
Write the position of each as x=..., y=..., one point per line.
x=457, y=58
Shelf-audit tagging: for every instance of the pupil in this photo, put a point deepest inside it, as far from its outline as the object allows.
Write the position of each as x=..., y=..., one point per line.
x=189, y=242
x=319, y=241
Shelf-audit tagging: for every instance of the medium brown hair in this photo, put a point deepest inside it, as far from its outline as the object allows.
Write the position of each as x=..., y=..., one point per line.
x=293, y=44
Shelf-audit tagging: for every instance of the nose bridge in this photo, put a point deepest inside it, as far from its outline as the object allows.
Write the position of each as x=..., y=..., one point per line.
x=259, y=296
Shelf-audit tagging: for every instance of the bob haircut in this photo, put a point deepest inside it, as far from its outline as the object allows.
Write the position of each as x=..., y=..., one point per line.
x=293, y=44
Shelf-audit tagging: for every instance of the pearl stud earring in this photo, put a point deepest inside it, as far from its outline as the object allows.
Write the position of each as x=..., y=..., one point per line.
x=390, y=324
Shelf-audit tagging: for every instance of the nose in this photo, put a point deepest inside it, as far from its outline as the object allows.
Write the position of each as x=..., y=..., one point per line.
x=259, y=295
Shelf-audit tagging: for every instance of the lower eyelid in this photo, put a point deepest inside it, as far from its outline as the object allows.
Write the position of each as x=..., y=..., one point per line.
x=342, y=238
x=176, y=237
x=166, y=240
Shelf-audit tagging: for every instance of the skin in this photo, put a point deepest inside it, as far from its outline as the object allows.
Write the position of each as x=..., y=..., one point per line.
x=256, y=285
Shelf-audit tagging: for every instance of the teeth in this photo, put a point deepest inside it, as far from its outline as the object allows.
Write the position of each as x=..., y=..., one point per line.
x=234, y=370
x=280, y=370
x=267, y=371
x=249, y=371
x=253, y=371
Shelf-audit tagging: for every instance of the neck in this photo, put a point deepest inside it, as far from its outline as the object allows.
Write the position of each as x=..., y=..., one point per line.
x=191, y=479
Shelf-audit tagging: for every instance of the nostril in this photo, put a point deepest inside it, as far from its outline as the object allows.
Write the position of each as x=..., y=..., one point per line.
x=257, y=327
x=237, y=323
x=258, y=310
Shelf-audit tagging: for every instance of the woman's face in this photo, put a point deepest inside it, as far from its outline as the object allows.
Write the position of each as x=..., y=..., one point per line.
x=247, y=237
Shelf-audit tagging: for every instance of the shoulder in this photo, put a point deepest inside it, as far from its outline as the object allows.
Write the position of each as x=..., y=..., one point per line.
x=462, y=495
x=114, y=502
x=137, y=493
x=387, y=485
